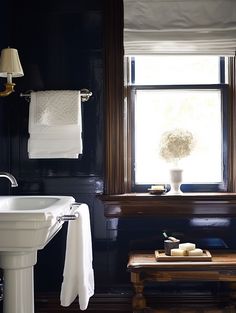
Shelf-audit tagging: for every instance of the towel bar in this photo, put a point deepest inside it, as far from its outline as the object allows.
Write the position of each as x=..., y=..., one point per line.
x=84, y=93
x=66, y=218
x=69, y=217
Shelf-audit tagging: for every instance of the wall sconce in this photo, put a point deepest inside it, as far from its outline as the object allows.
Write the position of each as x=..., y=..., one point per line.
x=9, y=67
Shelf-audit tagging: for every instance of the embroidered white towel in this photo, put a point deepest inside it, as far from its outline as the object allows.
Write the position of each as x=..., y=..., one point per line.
x=78, y=269
x=55, y=116
x=55, y=107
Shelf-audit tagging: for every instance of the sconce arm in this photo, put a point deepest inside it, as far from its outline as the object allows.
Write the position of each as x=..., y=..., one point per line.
x=9, y=88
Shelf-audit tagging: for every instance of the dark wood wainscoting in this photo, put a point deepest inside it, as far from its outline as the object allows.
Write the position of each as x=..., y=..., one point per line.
x=101, y=303
x=198, y=303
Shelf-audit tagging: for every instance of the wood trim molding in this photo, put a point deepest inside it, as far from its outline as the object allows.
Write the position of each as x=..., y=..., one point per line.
x=114, y=98
x=186, y=205
x=232, y=125
x=49, y=302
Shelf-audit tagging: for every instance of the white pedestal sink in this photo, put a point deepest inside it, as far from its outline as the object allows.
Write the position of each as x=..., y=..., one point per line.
x=27, y=224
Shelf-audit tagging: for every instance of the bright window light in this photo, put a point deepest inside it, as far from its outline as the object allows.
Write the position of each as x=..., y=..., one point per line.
x=175, y=70
x=199, y=111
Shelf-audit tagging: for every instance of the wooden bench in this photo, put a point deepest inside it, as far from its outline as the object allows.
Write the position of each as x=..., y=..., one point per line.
x=144, y=268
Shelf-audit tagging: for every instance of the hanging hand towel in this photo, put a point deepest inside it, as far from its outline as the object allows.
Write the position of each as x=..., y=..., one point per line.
x=55, y=107
x=78, y=270
x=55, y=116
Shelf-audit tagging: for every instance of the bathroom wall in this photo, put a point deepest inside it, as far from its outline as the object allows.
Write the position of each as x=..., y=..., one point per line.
x=4, y=136
x=61, y=46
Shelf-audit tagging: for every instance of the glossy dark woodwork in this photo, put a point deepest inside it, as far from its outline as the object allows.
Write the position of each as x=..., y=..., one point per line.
x=74, y=44
x=114, y=99
x=231, y=121
x=49, y=303
x=186, y=205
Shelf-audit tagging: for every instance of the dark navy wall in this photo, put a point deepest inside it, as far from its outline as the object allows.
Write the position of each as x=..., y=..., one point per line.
x=4, y=135
x=61, y=46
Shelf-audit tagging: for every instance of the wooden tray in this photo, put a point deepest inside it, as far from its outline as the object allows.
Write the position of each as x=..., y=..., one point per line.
x=161, y=257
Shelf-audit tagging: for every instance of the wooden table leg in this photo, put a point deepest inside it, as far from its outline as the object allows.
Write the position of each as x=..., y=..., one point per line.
x=139, y=301
x=232, y=286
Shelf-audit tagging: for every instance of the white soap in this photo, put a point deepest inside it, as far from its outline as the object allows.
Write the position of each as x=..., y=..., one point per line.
x=157, y=187
x=195, y=252
x=187, y=246
x=178, y=252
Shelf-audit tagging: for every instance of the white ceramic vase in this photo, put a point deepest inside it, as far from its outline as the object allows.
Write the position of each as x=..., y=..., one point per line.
x=176, y=176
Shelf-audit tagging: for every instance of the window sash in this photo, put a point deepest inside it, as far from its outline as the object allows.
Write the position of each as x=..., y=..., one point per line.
x=222, y=68
x=223, y=186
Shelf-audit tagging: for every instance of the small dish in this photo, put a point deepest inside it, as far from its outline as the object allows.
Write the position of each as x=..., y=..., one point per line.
x=156, y=191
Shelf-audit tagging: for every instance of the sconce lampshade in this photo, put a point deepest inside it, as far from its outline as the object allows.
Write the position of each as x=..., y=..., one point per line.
x=10, y=63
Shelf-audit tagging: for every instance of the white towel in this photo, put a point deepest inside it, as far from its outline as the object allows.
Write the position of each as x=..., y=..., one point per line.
x=78, y=269
x=55, y=124
x=56, y=107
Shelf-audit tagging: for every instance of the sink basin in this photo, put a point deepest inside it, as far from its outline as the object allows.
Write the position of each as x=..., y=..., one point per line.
x=26, y=203
x=29, y=222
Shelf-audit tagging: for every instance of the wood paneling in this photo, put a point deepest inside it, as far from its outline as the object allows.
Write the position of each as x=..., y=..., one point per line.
x=78, y=44
x=186, y=205
x=114, y=98
x=122, y=303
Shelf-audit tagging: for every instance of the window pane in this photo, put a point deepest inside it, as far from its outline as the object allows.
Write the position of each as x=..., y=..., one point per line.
x=175, y=70
x=198, y=111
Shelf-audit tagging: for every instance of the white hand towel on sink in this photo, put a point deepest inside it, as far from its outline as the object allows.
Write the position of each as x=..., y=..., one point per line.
x=78, y=269
x=53, y=116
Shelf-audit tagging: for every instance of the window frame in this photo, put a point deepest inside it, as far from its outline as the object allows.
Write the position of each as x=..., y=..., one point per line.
x=117, y=117
x=210, y=187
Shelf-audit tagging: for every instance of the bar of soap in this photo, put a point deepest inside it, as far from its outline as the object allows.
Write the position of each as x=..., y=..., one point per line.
x=195, y=252
x=157, y=187
x=178, y=252
x=187, y=246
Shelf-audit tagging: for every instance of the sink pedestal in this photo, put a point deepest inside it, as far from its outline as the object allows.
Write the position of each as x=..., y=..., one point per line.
x=18, y=292
x=27, y=224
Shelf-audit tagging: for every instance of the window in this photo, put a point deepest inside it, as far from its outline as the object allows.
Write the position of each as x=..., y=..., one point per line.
x=118, y=159
x=169, y=92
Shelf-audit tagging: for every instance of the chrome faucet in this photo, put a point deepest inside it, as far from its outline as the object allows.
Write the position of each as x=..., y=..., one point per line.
x=10, y=177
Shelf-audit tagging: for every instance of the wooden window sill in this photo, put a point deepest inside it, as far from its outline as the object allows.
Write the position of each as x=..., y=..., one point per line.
x=186, y=205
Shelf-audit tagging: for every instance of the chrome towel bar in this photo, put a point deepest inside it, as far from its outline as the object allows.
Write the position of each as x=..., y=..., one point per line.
x=69, y=217
x=66, y=218
x=84, y=93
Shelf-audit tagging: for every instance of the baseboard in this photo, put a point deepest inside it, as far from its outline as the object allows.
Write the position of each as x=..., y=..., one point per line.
x=108, y=302
x=121, y=301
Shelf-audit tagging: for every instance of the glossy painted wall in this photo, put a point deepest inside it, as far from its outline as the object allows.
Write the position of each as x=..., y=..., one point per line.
x=61, y=46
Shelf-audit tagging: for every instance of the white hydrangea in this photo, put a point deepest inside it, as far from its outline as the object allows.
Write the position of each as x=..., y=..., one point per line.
x=176, y=144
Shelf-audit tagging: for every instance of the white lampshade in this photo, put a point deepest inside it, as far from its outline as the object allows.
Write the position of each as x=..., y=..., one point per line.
x=10, y=63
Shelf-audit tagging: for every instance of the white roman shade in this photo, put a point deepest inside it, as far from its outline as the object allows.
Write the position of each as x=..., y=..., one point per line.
x=180, y=27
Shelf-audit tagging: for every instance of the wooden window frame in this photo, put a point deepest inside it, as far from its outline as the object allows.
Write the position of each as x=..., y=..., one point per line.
x=114, y=181
x=186, y=187
x=117, y=169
